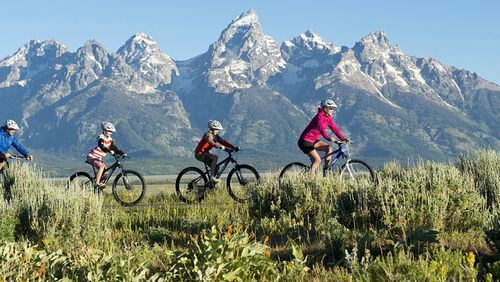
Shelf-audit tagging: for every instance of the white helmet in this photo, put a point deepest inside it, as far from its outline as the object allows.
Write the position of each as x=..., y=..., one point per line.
x=108, y=126
x=328, y=103
x=213, y=124
x=10, y=124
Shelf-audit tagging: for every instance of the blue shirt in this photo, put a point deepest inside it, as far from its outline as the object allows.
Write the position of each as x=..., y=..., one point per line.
x=6, y=141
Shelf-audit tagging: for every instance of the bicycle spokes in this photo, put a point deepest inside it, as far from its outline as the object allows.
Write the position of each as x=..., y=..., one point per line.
x=129, y=188
x=239, y=181
x=191, y=185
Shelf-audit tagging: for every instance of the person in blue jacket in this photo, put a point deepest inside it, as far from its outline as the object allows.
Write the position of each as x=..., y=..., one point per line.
x=7, y=139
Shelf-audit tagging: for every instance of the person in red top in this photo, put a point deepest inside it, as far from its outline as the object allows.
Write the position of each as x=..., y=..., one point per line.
x=104, y=145
x=309, y=141
x=211, y=139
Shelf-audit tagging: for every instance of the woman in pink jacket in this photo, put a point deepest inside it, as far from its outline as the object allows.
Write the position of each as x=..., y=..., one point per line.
x=309, y=141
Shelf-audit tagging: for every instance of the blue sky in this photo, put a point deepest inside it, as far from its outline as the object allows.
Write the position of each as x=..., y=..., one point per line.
x=465, y=34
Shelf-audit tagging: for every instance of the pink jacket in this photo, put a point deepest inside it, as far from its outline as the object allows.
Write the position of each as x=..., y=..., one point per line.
x=317, y=127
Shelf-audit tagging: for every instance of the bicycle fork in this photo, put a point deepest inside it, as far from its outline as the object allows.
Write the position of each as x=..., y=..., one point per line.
x=241, y=179
x=349, y=169
x=126, y=182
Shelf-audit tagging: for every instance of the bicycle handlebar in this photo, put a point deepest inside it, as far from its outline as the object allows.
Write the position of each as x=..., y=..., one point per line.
x=124, y=156
x=342, y=142
x=229, y=150
x=17, y=157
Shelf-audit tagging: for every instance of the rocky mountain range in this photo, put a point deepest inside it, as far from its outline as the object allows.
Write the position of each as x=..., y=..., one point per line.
x=391, y=104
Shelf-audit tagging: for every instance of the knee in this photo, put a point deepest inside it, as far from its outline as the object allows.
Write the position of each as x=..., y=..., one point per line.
x=330, y=150
x=316, y=160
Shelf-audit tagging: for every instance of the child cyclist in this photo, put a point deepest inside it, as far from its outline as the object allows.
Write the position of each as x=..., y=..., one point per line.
x=104, y=145
x=309, y=142
x=211, y=139
x=7, y=139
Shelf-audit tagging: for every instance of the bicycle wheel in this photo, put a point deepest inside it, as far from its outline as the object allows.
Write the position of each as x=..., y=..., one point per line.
x=357, y=170
x=129, y=188
x=239, y=180
x=292, y=171
x=81, y=180
x=191, y=184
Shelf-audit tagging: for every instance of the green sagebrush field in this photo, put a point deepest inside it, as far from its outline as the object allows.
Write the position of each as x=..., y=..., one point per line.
x=431, y=221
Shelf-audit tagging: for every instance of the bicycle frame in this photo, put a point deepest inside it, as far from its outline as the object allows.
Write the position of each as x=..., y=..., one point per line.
x=112, y=168
x=341, y=152
x=224, y=163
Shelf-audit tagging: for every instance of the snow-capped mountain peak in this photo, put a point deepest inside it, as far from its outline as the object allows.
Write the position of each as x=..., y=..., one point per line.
x=244, y=29
x=30, y=60
x=376, y=38
x=35, y=48
x=143, y=54
x=308, y=50
x=137, y=47
x=248, y=18
x=243, y=54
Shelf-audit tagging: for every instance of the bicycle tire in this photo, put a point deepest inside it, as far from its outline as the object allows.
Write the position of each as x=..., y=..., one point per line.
x=296, y=166
x=86, y=181
x=231, y=190
x=139, y=182
x=192, y=193
x=360, y=163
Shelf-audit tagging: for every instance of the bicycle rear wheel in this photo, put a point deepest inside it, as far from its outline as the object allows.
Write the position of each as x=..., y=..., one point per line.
x=239, y=180
x=293, y=171
x=191, y=184
x=129, y=188
x=357, y=170
x=81, y=180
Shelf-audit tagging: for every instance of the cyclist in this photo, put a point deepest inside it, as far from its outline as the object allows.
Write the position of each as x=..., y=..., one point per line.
x=211, y=139
x=104, y=145
x=7, y=139
x=309, y=142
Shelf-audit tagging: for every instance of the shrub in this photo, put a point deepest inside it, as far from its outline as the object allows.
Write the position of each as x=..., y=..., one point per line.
x=435, y=196
x=484, y=168
x=48, y=212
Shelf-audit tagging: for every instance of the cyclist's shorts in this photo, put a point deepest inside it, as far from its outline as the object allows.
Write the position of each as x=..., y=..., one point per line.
x=95, y=162
x=205, y=158
x=305, y=146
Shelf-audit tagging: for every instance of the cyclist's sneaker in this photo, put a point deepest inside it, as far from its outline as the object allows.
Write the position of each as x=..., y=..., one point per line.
x=101, y=186
x=214, y=179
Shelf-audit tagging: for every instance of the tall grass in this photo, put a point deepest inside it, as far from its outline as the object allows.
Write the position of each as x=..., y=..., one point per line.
x=430, y=221
x=484, y=168
x=46, y=212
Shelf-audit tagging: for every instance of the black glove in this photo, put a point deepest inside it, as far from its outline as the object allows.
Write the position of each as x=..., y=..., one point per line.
x=237, y=148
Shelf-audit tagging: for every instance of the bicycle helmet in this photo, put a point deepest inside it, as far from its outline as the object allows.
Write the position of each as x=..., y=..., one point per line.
x=328, y=103
x=108, y=126
x=10, y=124
x=214, y=124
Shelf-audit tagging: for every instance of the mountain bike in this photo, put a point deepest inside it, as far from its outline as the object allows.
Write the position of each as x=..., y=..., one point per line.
x=192, y=183
x=128, y=187
x=3, y=178
x=352, y=169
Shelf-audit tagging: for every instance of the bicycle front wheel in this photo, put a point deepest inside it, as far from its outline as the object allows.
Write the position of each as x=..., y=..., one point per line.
x=129, y=188
x=292, y=171
x=239, y=180
x=190, y=185
x=357, y=170
x=81, y=180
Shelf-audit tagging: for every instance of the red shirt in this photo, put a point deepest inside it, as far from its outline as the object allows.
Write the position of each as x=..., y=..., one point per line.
x=209, y=141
